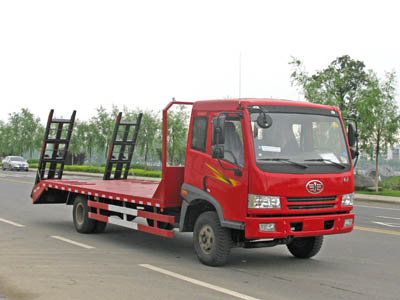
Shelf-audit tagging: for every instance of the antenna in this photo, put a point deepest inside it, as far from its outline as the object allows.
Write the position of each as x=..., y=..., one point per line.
x=240, y=75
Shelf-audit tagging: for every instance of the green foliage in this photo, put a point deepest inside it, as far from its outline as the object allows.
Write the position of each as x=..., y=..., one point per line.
x=345, y=83
x=390, y=193
x=339, y=84
x=391, y=183
x=103, y=124
x=380, y=116
x=21, y=134
x=93, y=169
x=150, y=132
x=177, y=135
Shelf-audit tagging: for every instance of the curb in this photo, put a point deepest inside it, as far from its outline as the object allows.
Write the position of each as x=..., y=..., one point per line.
x=376, y=198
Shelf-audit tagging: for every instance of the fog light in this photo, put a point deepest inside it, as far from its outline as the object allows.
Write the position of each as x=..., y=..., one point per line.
x=267, y=227
x=348, y=222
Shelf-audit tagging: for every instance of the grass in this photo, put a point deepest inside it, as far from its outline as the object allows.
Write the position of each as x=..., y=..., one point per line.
x=93, y=169
x=392, y=193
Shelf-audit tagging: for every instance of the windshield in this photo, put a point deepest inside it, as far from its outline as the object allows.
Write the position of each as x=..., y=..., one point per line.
x=300, y=143
x=16, y=158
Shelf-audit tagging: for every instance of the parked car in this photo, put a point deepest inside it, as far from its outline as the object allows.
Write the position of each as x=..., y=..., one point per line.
x=15, y=163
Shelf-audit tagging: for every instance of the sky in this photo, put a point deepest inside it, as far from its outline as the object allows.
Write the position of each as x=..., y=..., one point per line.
x=81, y=55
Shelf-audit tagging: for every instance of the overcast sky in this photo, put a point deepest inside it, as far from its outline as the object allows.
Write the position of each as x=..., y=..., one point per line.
x=82, y=54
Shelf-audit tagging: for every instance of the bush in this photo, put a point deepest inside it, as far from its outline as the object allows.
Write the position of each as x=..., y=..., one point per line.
x=92, y=169
x=33, y=161
x=145, y=173
x=391, y=183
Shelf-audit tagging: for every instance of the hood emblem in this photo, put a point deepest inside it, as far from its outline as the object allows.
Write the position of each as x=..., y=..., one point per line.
x=314, y=186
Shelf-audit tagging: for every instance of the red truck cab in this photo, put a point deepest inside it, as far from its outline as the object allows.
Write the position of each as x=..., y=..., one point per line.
x=281, y=170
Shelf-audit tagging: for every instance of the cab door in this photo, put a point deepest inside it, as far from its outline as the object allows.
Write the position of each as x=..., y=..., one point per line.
x=225, y=179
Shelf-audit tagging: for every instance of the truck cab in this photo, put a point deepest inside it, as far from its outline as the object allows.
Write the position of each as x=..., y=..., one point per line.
x=271, y=171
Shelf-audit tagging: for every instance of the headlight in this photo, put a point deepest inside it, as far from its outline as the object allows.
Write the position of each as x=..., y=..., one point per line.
x=261, y=201
x=348, y=199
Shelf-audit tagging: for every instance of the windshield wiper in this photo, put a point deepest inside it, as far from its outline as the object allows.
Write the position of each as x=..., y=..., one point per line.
x=327, y=160
x=285, y=160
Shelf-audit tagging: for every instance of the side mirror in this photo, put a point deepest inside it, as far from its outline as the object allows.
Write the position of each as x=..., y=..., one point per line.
x=218, y=137
x=219, y=130
x=264, y=120
x=352, y=135
x=354, y=153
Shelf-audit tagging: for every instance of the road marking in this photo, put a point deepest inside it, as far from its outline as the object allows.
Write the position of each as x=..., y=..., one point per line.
x=71, y=242
x=17, y=181
x=11, y=223
x=198, y=282
x=387, y=208
x=384, y=231
x=396, y=225
x=384, y=217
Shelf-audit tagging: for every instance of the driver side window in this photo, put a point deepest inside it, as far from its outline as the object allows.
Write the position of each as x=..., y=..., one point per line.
x=233, y=146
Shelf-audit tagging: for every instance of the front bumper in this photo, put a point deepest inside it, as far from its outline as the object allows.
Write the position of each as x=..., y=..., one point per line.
x=298, y=226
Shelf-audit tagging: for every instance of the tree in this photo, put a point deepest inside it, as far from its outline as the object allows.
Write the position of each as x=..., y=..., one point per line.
x=4, y=139
x=149, y=132
x=339, y=84
x=380, y=117
x=104, y=123
x=23, y=127
x=78, y=139
x=177, y=135
x=345, y=83
x=90, y=139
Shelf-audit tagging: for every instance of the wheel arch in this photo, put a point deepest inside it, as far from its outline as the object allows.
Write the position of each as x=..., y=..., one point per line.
x=197, y=201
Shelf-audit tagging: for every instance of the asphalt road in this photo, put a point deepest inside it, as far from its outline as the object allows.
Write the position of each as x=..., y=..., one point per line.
x=39, y=261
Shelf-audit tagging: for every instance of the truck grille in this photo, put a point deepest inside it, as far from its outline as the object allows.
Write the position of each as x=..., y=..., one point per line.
x=310, y=202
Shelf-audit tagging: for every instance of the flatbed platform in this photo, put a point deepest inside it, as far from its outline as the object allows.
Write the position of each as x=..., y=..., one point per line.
x=136, y=191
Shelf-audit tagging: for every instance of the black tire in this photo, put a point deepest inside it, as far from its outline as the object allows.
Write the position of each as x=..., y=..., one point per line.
x=99, y=227
x=211, y=241
x=305, y=247
x=80, y=211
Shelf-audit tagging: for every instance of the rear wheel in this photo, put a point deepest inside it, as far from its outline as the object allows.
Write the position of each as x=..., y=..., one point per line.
x=305, y=247
x=211, y=241
x=80, y=212
x=99, y=227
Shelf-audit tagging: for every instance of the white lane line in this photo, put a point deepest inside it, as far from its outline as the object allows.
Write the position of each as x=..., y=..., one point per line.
x=387, y=208
x=395, y=225
x=198, y=282
x=71, y=242
x=384, y=217
x=11, y=223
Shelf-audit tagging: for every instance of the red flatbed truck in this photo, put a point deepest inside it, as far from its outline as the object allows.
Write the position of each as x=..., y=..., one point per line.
x=258, y=173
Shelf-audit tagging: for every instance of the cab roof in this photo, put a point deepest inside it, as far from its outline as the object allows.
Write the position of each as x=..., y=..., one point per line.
x=233, y=104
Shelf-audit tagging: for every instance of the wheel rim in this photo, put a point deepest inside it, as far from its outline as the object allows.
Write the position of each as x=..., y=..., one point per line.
x=79, y=214
x=206, y=239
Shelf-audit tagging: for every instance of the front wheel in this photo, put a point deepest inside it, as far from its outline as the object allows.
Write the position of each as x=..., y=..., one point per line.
x=211, y=241
x=305, y=247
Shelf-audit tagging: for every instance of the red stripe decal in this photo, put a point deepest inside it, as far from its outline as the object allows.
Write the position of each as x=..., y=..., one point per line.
x=98, y=217
x=156, y=231
x=98, y=205
x=154, y=216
